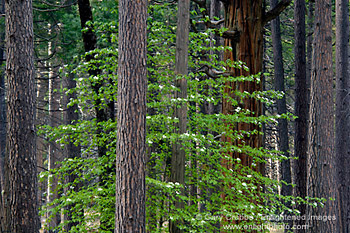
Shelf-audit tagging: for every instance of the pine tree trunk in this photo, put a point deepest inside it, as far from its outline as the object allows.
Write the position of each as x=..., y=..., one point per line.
x=181, y=64
x=131, y=118
x=301, y=108
x=342, y=119
x=322, y=180
x=21, y=168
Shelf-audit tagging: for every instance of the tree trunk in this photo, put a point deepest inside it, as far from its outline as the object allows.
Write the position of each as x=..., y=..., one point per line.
x=245, y=17
x=131, y=118
x=342, y=120
x=301, y=108
x=181, y=64
x=102, y=113
x=2, y=123
x=54, y=151
x=282, y=127
x=309, y=38
x=21, y=168
x=73, y=151
x=245, y=21
x=322, y=180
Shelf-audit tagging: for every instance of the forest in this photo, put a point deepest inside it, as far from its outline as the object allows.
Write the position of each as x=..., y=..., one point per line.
x=174, y=116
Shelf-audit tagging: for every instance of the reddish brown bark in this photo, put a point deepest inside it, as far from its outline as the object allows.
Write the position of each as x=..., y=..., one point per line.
x=245, y=18
x=131, y=118
x=322, y=182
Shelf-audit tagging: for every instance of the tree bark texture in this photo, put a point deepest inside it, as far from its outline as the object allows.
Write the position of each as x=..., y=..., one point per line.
x=301, y=107
x=322, y=180
x=245, y=18
x=2, y=111
x=342, y=111
x=131, y=117
x=21, y=168
x=2, y=124
x=309, y=39
x=181, y=68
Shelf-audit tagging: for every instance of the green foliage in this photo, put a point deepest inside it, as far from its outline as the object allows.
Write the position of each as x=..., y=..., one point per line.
x=218, y=188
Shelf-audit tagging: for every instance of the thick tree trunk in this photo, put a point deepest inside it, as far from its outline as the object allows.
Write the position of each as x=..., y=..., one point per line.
x=181, y=64
x=342, y=119
x=301, y=108
x=21, y=168
x=245, y=17
x=245, y=21
x=322, y=180
x=131, y=117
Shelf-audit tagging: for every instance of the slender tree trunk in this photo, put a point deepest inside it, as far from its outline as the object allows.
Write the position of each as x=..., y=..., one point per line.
x=281, y=103
x=2, y=122
x=71, y=117
x=42, y=87
x=282, y=128
x=301, y=108
x=181, y=64
x=54, y=151
x=131, y=118
x=342, y=111
x=21, y=168
x=102, y=113
x=2, y=105
x=322, y=180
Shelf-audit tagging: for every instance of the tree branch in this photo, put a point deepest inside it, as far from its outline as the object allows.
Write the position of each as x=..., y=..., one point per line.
x=211, y=23
x=276, y=11
x=200, y=3
x=213, y=73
